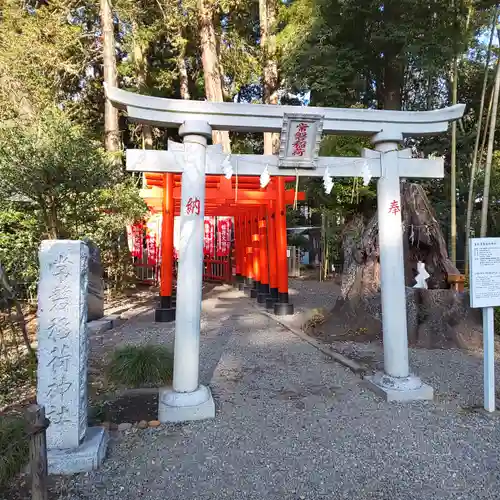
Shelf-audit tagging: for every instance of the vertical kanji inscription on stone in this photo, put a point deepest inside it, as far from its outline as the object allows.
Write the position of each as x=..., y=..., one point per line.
x=62, y=340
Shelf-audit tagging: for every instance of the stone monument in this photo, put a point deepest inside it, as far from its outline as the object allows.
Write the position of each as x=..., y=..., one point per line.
x=95, y=292
x=63, y=356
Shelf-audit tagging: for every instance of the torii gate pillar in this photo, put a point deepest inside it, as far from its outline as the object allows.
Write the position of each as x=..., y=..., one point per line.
x=187, y=399
x=166, y=312
x=395, y=383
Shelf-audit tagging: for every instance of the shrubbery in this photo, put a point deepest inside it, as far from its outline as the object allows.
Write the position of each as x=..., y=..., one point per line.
x=57, y=182
x=136, y=366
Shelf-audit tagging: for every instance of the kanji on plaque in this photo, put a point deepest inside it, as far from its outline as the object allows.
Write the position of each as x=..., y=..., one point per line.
x=224, y=236
x=299, y=146
x=193, y=206
x=209, y=237
x=394, y=207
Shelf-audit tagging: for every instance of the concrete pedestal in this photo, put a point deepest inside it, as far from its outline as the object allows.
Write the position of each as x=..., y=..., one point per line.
x=254, y=292
x=185, y=406
x=409, y=388
x=88, y=456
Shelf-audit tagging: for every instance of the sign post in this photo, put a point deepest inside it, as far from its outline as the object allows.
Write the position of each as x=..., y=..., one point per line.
x=485, y=293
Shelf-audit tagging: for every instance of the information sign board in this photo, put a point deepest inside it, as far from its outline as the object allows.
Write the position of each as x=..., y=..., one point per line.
x=484, y=272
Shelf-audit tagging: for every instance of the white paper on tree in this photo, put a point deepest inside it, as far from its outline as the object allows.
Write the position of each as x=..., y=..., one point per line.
x=62, y=340
x=484, y=256
x=422, y=276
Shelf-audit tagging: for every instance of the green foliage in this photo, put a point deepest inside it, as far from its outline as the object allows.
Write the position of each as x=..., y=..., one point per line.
x=298, y=240
x=118, y=206
x=14, y=446
x=347, y=195
x=55, y=165
x=58, y=183
x=43, y=53
x=346, y=52
x=19, y=240
x=136, y=366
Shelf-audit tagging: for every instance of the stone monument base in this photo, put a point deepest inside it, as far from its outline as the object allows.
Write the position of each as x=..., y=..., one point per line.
x=88, y=456
x=393, y=389
x=185, y=406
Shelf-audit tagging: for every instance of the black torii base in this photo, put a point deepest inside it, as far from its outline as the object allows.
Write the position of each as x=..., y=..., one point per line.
x=264, y=293
x=250, y=286
x=165, y=313
x=282, y=307
x=272, y=299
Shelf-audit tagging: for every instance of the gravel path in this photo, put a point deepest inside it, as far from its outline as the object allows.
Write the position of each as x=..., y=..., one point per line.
x=292, y=424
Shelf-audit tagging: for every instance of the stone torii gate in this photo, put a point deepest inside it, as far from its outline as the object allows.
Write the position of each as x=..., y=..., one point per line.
x=188, y=400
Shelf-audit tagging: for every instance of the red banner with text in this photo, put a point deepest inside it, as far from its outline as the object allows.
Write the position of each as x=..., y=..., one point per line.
x=134, y=237
x=153, y=240
x=209, y=237
x=223, y=236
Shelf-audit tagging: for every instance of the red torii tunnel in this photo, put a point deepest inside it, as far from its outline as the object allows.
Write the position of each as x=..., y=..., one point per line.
x=260, y=242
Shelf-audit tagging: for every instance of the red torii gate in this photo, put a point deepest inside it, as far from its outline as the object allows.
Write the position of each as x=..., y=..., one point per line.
x=259, y=231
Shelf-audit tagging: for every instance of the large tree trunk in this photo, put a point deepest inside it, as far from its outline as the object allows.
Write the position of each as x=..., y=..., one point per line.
x=267, y=17
x=182, y=68
x=111, y=129
x=393, y=82
x=435, y=316
x=393, y=63
x=141, y=69
x=211, y=65
x=422, y=238
x=453, y=167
